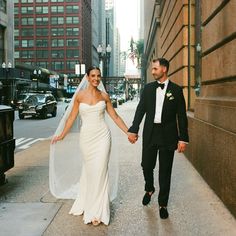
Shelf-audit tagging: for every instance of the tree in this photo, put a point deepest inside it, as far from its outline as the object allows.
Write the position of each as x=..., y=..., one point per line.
x=139, y=51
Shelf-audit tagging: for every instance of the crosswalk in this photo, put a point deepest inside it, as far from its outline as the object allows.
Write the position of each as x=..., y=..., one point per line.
x=24, y=143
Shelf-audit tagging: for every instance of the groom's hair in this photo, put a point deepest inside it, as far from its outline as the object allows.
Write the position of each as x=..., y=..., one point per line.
x=162, y=62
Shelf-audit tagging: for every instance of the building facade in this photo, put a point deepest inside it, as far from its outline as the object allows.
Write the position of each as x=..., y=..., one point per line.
x=53, y=34
x=6, y=50
x=98, y=28
x=198, y=38
x=7, y=32
x=110, y=32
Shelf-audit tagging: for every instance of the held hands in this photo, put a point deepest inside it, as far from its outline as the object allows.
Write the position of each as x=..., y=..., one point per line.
x=132, y=137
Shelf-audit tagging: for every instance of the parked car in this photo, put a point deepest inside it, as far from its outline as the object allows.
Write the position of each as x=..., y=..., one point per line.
x=38, y=105
x=20, y=99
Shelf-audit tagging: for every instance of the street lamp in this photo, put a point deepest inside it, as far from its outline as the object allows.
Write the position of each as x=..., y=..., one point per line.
x=37, y=73
x=6, y=66
x=8, y=96
x=104, y=56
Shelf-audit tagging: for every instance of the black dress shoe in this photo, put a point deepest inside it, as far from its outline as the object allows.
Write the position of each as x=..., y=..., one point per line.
x=163, y=213
x=147, y=197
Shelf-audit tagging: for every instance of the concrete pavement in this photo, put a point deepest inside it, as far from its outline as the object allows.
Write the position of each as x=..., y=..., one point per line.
x=28, y=208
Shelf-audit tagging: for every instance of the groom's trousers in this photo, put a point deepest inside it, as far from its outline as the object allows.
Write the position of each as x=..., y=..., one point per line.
x=165, y=157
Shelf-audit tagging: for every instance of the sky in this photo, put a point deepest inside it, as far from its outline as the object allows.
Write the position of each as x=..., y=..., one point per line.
x=127, y=21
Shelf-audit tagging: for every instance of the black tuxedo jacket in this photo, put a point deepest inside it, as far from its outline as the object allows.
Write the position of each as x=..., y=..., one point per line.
x=174, y=118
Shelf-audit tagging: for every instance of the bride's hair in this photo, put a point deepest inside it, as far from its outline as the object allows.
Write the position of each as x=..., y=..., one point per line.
x=92, y=68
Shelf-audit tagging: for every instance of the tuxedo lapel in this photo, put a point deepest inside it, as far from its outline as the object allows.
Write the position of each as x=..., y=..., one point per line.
x=167, y=90
x=165, y=103
x=153, y=99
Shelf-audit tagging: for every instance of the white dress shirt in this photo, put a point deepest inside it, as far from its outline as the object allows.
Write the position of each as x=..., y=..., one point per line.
x=160, y=96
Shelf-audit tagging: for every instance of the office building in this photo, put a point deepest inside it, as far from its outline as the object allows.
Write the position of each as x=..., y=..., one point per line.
x=53, y=34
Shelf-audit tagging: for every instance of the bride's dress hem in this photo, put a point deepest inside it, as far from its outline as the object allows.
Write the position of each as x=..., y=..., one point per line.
x=105, y=222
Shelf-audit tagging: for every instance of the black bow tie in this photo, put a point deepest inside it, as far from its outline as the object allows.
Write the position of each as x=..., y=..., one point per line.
x=160, y=85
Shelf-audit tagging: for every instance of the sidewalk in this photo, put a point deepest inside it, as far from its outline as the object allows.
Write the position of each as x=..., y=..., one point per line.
x=28, y=209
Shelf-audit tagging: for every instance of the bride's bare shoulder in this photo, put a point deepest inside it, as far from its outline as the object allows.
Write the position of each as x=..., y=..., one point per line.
x=105, y=96
x=80, y=95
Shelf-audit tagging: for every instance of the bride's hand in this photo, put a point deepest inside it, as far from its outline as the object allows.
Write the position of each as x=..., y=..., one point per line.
x=56, y=138
x=132, y=137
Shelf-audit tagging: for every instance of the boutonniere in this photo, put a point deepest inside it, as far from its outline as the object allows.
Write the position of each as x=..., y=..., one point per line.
x=170, y=96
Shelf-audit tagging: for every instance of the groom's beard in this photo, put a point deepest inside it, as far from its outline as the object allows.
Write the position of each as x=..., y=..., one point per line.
x=158, y=77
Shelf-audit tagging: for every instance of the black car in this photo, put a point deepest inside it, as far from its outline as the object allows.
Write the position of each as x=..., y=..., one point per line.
x=38, y=105
x=20, y=99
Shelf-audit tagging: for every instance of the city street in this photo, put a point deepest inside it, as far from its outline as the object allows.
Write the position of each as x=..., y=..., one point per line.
x=31, y=130
x=48, y=47
x=28, y=208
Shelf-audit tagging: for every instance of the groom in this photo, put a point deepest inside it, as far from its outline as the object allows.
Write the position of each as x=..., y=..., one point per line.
x=165, y=130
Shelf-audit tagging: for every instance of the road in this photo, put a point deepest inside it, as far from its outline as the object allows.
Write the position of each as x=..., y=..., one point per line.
x=31, y=130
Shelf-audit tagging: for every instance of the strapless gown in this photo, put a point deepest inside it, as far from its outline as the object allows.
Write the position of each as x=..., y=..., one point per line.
x=95, y=144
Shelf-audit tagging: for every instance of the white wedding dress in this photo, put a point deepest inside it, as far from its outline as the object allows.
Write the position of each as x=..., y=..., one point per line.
x=95, y=143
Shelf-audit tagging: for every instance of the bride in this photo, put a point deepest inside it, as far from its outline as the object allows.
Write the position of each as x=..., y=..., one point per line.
x=91, y=189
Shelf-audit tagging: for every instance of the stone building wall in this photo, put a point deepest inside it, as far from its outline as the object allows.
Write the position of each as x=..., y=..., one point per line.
x=199, y=39
x=212, y=148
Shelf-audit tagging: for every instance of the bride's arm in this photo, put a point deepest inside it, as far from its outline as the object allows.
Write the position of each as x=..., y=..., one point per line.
x=69, y=122
x=113, y=114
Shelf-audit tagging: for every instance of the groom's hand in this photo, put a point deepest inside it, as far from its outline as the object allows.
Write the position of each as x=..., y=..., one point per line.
x=132, y=137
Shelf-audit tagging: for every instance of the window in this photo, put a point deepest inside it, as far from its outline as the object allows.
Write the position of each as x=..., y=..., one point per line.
x=72, y=0
x=72, y=9
x=42, y=54
x=27, y=10
x=72, y=42
x=17, y=54
x=42, y=21
x=42, y=10
x=41, y=0
x=71, y=53
x=57, y=9
x=72, y=20
x=3, y=6
x=27, y=32
x=16, y=22
x=27, y=54
x=27, y=21
x=17, y=43
x=70, y=65
x=41, y=42
x=16, y=10
x=57, y=20
x=27, y=43
x=58, y=65
x=72, y=31
x=57, y=0
x=42, y=32
x=43, y=64
x=57, y=53
x=57, y=42
x=27, y=1
x=57, y=31
x=16, y=33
